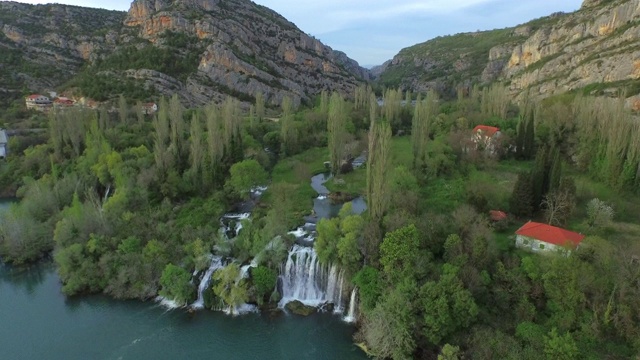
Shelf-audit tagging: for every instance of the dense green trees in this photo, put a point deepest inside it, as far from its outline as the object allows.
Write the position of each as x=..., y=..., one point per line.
x=339, y=238
x=230, y=287
x=120, y=203
x=176, y=285
x=246, y=175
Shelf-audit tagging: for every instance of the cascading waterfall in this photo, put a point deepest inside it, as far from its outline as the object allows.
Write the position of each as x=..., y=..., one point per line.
x=351, y=315
x=216, y=263
x=306, y=280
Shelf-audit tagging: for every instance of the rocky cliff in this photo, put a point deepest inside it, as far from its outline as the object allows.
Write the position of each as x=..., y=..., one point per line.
x=200, y=49
x=593, y=50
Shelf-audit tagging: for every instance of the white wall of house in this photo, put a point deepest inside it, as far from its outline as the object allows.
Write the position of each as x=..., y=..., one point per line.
x=3, y=151
x=534, y=244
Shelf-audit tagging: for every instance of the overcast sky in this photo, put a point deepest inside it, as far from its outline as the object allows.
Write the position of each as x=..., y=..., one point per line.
x=373, y=31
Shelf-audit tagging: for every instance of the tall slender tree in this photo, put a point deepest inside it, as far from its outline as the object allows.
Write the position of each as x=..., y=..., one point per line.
x=260, y=106
x=163, y=157
x=336, y=130
x=215, y=142
x=287, y=131
x=177, y=125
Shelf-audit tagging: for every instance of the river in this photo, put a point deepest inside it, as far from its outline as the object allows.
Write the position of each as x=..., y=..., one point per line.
x=38, y=322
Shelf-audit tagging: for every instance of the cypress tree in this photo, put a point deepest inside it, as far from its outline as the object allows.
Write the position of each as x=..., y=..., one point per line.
x=540, y=178
x=529, y=137
x=521, y=200
x=520, y=139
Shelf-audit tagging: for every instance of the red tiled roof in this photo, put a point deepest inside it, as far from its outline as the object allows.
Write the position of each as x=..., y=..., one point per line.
x=33, y=97
x=497, y=215
x=63, y=101
x=550, y=234
x=488, y=131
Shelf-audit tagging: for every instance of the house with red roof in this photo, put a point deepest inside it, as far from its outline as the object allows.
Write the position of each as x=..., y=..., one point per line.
x=486, y=137
x=149, y=108
x=542, y=237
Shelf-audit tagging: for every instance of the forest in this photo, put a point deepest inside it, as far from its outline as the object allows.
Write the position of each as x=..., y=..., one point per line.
x=127, y=204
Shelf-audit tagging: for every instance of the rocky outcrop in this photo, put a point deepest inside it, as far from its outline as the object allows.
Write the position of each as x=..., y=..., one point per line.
x=299, y=308
x=548, y=56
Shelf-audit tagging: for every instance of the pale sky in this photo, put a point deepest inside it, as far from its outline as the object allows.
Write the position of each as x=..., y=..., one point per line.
x=373, y=31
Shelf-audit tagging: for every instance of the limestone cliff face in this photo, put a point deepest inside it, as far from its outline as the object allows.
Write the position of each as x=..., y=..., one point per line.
x=213, y=48
x=563, y=52
x=598, y=44
x=250, y=48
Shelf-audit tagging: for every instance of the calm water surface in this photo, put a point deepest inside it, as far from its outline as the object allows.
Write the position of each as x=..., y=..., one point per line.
x=38, y=322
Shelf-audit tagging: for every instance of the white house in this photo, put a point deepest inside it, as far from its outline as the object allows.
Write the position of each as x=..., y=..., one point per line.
x=542, y=237
x=3, y=144
x=38, y=102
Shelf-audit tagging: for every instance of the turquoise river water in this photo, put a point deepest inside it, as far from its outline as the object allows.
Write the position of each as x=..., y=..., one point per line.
x=38, y=322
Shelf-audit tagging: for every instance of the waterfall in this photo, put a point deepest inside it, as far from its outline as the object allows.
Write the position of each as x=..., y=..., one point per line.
x=351, y=315
x=306, y=280
x=244, y=270
x=216, y=263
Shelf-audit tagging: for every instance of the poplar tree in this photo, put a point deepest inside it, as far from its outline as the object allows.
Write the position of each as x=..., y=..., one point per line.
x=55, y=134
x=215, y=142
x=324, y=102
x=392, y=107
x=259, y=106
x=377, y=169
x=232, y=136
x=287, y=135
x=177, y=125
x=495, y=101
x=336, y=130
x=197, y=147
x=163, y=158
x=424, y=114
x=140, y=112
x=123, y=109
